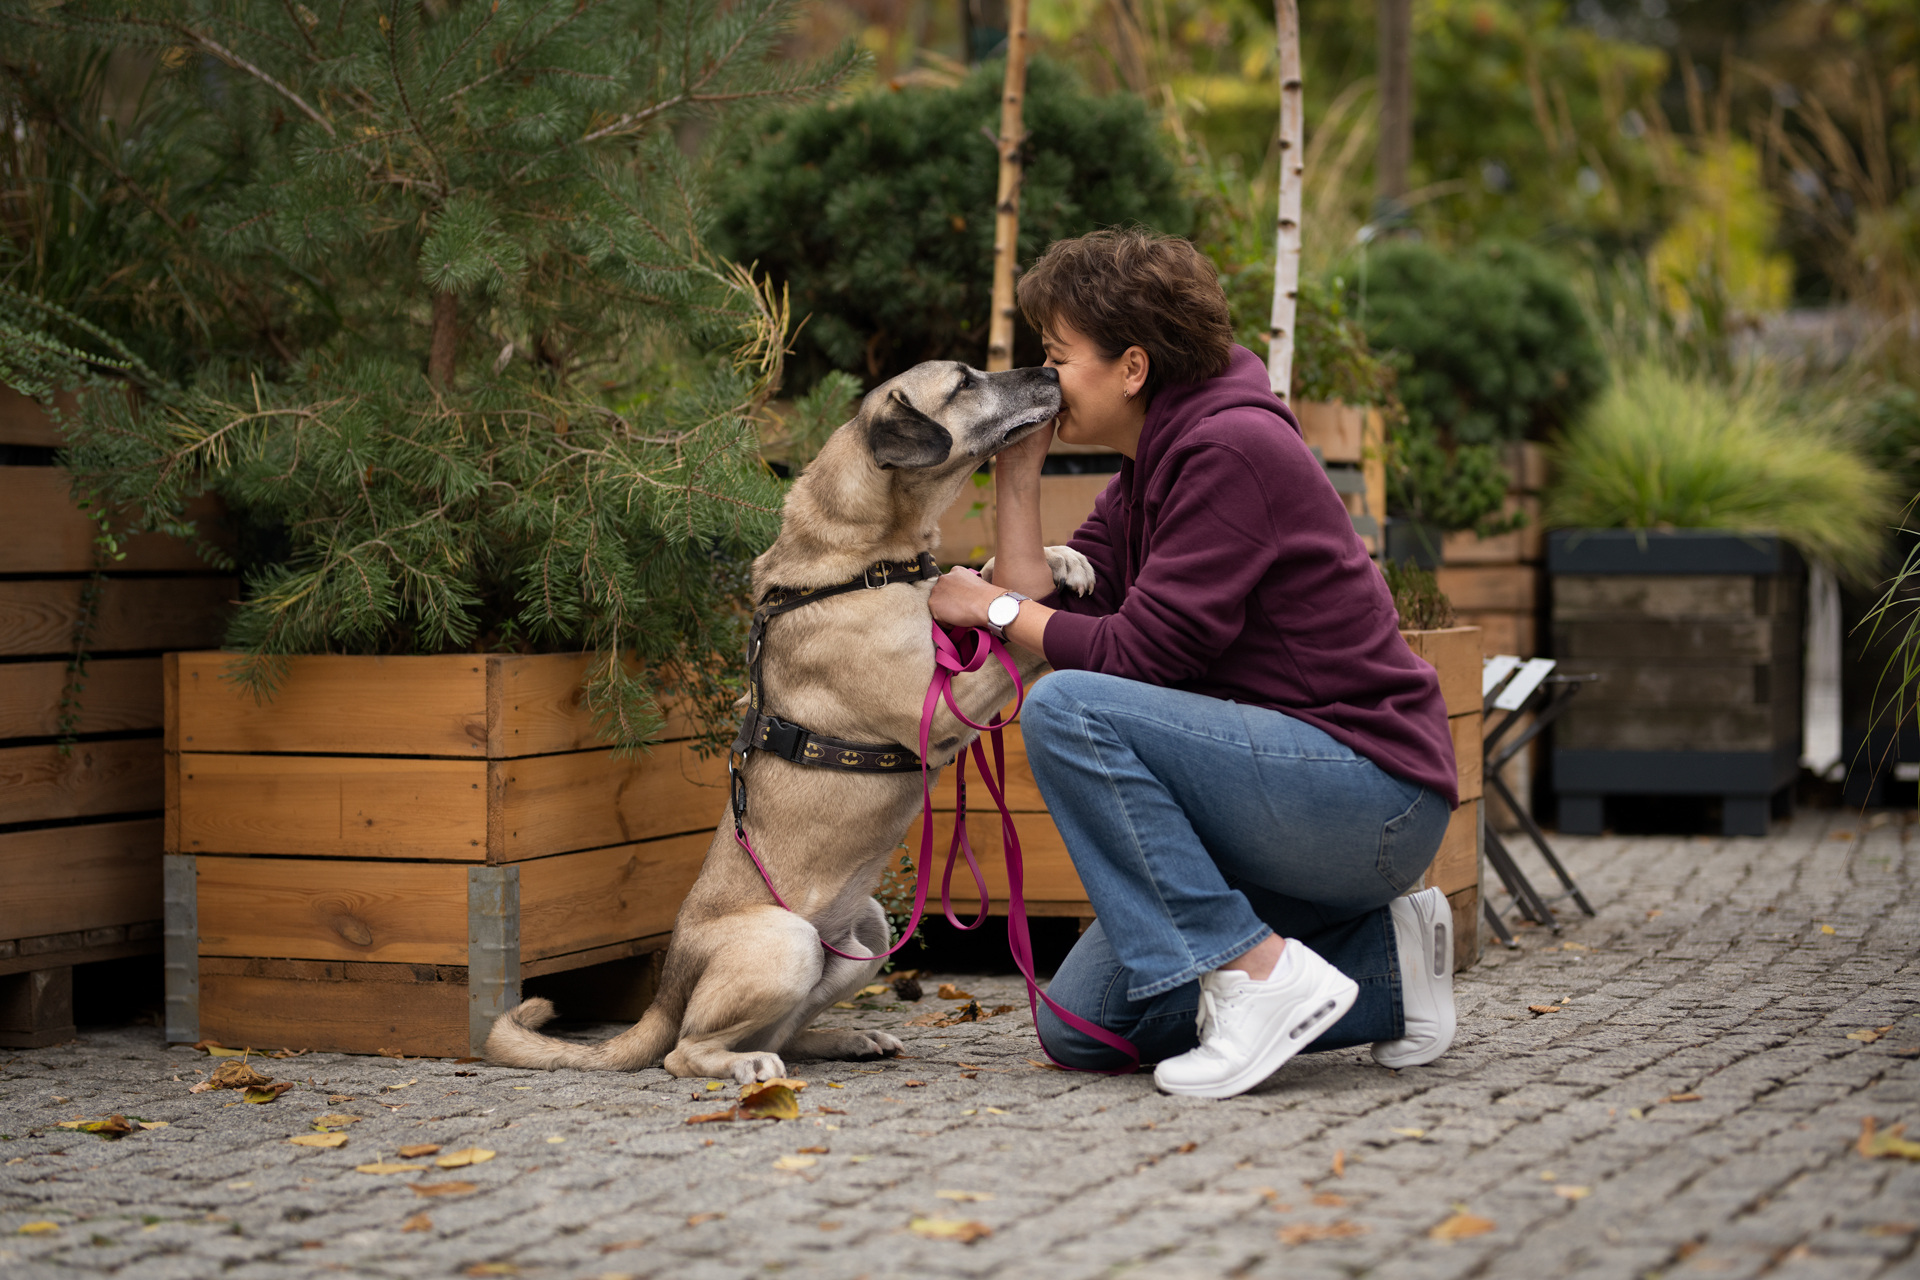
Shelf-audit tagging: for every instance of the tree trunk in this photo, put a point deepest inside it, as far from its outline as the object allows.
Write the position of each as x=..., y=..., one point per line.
x=1286, y=266
x=1006, y=205
x=446, y=319
x=1396, y=102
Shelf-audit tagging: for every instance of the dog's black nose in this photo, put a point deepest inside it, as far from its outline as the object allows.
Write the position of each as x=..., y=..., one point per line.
x=1048, y=373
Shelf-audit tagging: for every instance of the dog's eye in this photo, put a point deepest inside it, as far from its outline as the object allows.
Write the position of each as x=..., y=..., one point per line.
x=966, y=379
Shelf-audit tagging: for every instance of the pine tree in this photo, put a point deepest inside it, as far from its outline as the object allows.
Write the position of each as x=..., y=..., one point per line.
x=422, y=291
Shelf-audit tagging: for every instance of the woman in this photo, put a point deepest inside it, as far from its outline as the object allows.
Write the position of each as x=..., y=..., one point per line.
x=1248, y=765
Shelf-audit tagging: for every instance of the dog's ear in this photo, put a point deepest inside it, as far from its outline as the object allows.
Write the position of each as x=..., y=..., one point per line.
x=902, y=436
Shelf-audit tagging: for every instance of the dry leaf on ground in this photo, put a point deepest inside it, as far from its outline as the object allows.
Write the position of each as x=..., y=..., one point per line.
x=1327, y=1200
x=1410, y=1133
x=480, y=1269
x=876, y=988
x=769, y=1100
x=418, y=1222
x=1566, y=1191
x=966, y=1231
x=384, y=1166
x=266, y=1092
x=36, y=1228
x=814, y=1151
x=395, y=1088
x=963, y=1195
x=1890, y=1142
x=443, y=1188
x=1868, y=1037
x=1307, y=1232
x=1682, y=1097
x=1340, y=1163
x=463, y=1157
x=700, y=1218
x=1461, y=1226
x=290, y=1053
x=950, y=992
x=791, y=1163
x=319, y=1140
x=232, y=1074
x=334, y=1120
x=417, y=1150
x=1543, y=1008
x=115, y=1126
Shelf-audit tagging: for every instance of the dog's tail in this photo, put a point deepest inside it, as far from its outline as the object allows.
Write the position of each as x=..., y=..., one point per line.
x=516, y=1042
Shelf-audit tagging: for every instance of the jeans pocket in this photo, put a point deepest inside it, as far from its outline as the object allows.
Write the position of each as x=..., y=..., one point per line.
x=1409, y=841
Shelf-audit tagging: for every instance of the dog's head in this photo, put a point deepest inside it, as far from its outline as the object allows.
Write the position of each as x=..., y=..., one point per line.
x=945, y=412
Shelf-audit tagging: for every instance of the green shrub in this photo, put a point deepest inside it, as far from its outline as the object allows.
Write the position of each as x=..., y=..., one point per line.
x=1663, y=450
x=1417, y=597
x=1492, y=344
x=878, y=212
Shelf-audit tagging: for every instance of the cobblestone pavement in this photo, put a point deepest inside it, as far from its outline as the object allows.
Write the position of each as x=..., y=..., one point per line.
x=1692, y=1107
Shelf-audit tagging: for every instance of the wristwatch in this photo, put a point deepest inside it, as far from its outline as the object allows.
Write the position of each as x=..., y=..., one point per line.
x=1001, y=613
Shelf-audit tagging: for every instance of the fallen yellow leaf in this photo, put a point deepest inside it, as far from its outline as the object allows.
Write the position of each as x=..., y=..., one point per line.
x=950, y=992
x=1411, y=1133
x=395, y=1088
x=1567, y=1191
x=443, y=1188
x=463, y=1157
x=1306, y=1232
x=796, y=1162
x=319, y=1140
x=554, y=1140
x=1682, y=1097
x=771, y=1100
x=1461, y=1226
x=699, y=1218
x=876, y=988
x=832, y=1085
x=417, y=1150
x=418, y=1222
x=965, y=1231
x=383, y=1166
x=715, y=1085
x=266, y=1093
x=788, y=1082
x=1826, y=928
x=1867, y=1037
x=1891, y=1142
x=37, y=1228
x=333, y=1120
x=995, y=1111
x=963, y=1195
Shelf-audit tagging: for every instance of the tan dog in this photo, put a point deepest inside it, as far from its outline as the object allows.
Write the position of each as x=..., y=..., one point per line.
x=744, y=978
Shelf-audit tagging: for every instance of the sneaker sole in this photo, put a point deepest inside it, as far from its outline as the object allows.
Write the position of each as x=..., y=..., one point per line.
x=1438, y=974
x=1329, y=1007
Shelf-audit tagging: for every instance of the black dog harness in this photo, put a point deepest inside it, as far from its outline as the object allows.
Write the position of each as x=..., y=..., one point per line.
x=762, y=731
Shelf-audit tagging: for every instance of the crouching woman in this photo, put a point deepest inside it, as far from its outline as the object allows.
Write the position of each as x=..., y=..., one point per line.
x=1248, y=765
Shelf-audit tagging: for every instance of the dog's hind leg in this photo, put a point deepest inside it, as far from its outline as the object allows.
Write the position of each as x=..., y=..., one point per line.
x=839, y=979
x=763, y=966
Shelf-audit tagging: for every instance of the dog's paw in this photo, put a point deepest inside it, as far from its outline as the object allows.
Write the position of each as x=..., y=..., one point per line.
x=884, y=1045
x=749, y=1067
x=1070, y=569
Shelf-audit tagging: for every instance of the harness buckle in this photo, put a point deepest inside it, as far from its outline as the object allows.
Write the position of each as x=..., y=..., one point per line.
x=785, y=740
x=885, y=571
x=737, y=793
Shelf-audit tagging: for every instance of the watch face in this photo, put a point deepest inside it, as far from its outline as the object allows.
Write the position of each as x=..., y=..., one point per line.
x=1003, y=611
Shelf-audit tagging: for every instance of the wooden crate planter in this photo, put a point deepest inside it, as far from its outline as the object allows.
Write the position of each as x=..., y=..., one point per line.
x=376, y=859
x=1696, y=635
x=1053, y=888
x=80, y=829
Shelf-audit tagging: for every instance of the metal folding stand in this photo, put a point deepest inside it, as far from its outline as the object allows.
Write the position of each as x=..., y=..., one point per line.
x=1516, y=684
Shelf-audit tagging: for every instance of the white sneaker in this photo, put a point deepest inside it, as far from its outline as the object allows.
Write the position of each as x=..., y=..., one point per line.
x=1423, y=927
x=1249, y=1027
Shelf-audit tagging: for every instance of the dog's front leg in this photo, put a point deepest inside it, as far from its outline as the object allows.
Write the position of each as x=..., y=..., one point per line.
x=840, y=979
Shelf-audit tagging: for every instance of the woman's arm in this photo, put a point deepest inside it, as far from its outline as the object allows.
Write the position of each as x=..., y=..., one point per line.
x=1020, y=561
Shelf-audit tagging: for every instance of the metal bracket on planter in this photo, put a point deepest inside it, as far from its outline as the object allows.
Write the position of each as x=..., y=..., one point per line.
x=1521, y=682
x=180, y=960
x=493, y=948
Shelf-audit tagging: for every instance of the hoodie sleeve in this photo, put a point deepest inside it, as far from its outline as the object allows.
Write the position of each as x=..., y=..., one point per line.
x=1213, y=544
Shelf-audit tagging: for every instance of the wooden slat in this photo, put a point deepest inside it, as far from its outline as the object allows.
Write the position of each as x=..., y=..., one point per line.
x=47, y=533
x=1722, y=684
x=1466, y=928
x=1515, y=633
x=23, y=421
x=966, y=534
x=1527, y=469
x=1653, y=727
x=1455, y=654
x=1621, y=596
x=1065, y=504
x=403, y=706
x=1457, y=865
x=536, y=705
x=1337, y=430
x=119, y=694
x=601, y=897
x=326, y=909
x=423, y=1019
x=1023, y=793
x=135, y=613
x=96, y=779
x=1467, y=758
x=590, y=799
x=1709, y=643
x=333, y=806
x=71, y=879
x=1050, y=876
x=1503, y=586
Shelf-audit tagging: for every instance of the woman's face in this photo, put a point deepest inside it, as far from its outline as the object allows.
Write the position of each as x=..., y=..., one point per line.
x=1100, y=400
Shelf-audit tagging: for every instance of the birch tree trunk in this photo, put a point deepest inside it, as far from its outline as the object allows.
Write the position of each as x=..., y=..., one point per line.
x=1395, y=153
x=1006, y=205
x=1286, y=266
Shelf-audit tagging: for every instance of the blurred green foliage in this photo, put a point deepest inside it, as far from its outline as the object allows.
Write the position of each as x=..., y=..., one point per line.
x=878, y=211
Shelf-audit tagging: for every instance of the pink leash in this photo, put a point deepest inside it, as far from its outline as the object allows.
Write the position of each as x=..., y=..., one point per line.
x=947, y=664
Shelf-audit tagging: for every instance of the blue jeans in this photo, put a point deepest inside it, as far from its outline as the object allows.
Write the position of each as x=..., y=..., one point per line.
x=1200, y=827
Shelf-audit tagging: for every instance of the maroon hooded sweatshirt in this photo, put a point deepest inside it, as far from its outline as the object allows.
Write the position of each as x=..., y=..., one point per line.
x=1228, y=566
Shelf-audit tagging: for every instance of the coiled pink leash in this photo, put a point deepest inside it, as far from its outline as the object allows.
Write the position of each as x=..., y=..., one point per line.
x=947, y=664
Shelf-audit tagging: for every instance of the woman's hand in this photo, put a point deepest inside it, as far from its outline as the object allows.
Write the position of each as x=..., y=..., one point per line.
x=960, y=598
x=1022, y=460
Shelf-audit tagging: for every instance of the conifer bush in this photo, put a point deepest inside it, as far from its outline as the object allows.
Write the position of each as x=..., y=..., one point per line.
x=877, y=212
x=422, y=291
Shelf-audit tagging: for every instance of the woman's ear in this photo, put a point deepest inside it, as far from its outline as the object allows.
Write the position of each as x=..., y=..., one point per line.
x=1135, y=365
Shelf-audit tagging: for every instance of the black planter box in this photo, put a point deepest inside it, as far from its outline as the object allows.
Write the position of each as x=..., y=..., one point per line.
x=1696, y=635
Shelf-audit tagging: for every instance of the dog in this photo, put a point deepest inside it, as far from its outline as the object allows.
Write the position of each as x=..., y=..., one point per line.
x=743, y=979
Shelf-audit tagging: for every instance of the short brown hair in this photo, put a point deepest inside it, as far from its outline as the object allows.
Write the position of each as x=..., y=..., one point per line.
x=1135, y=288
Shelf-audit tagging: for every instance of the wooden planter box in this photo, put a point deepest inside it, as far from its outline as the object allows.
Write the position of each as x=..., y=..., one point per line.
x=1696, y=635
x=1053, y=888
x=380, y=856
x=80, y=829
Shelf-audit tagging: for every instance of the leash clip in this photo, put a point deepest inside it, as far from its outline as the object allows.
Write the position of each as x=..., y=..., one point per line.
x=737, y=793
